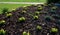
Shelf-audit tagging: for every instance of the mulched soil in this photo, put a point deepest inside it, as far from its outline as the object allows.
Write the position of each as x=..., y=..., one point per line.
x=13, y=27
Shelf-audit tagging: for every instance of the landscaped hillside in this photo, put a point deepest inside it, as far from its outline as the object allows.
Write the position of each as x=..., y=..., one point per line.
x=42, y=19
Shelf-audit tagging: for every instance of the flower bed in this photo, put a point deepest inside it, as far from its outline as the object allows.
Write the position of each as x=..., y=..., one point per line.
x=31, y=20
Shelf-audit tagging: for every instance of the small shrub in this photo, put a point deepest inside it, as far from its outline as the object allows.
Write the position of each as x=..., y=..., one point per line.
x=9, y=14
x=21, y=19
x=2, y=32
x=5, y=10
x=35, y=17
x=2, y=22
x=39, y=27
x=54, y=30
x=24, y=33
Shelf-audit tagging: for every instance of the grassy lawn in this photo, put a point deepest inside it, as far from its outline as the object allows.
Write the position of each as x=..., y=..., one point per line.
x=22, y=0
x=11, y=6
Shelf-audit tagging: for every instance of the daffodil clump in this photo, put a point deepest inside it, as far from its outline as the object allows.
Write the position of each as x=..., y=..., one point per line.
x=39, y=27
x=40, y=8
x=2, y=32
x=26, y=33
x=21, y=19
x=23, y=12
x=35, y=17
x=54, y=30
x=2, y=22
x=37, y=13
x=9, y=14
x=54, y=8
x=45, y=4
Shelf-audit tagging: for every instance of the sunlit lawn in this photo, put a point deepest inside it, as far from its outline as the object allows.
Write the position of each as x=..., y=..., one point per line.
x=22, y=0
x=11, y=6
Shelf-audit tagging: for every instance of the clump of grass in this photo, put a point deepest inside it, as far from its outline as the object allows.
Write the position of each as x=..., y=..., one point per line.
x=39, y=27
x=21, y=19
x=54, y=30
x=35, y=17
x=9, y=14
x=2, y=32
x=2, y=22
x=4, y=10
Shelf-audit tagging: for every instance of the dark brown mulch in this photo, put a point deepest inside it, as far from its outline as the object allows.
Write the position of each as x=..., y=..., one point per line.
x=13, y=27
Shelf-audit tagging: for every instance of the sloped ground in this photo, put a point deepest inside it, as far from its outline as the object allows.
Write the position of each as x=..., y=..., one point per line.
x=13, y=27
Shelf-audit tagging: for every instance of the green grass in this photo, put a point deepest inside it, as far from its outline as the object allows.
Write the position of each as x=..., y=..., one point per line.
x=11, y=6
x=22, y=0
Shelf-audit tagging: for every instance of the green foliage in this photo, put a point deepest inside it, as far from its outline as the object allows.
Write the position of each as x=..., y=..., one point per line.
x=23, y=12
x=21, y=19
x=28, y=33
x=24, y=33
x=39, y=27
x=37, y=13
x=52, y=11
x=35, y=17
x=5, y=10
x=54, y=30
x=40, y=8
x=54, y=8
x=2, y=22
x=9, y=14
x=2, y=32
